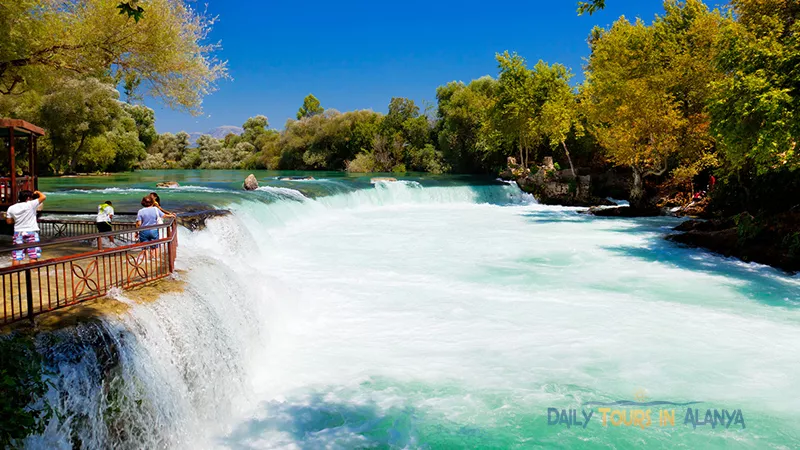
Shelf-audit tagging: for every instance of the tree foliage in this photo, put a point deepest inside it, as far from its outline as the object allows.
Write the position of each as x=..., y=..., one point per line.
x=591, y=6
x=755, y=108
x=22, y=386
x=311, y=107
x=45, y=41
x=647, y=88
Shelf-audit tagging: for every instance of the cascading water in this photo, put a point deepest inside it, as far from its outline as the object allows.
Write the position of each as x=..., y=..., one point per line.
x=406, y=315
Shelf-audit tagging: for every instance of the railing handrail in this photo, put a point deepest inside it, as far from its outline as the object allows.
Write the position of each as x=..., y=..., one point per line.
x=85, y=222
x=83, y=237
x=89, y=213
x=78, y=256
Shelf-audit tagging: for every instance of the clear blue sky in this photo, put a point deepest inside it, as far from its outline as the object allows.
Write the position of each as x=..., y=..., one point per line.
x=360, y=54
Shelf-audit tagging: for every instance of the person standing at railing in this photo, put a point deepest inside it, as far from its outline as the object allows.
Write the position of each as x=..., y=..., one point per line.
x=147, y=216
x=157, y=204
x=26, y=228
x=105, y=213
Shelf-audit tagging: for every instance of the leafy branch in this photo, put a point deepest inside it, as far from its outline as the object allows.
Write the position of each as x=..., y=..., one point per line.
x=132, y=9
x=591, y=7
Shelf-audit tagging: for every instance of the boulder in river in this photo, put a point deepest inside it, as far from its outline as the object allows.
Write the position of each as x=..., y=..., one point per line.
x=380, y=179
x=300, y=178
x=250, y=183
x=167, y=184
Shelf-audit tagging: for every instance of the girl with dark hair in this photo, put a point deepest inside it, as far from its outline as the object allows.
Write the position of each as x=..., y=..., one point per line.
x=147, y=216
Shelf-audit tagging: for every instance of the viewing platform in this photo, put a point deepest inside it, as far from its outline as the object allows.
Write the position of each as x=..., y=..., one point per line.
x=79, y=264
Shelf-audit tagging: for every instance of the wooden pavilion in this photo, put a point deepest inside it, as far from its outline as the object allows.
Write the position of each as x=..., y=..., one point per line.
x=18, y=174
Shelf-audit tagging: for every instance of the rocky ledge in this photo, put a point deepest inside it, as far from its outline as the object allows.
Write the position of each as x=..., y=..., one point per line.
x=552, y=186
x=774, y=240
x=196, y=219
x=625, y=211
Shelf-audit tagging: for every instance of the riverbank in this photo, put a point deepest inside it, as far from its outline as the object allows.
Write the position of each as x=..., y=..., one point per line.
x=774, y=241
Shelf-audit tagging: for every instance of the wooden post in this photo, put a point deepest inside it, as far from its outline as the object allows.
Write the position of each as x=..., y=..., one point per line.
x=12, y=159
x=30, y=163
x=35, y=162
x=29, y=289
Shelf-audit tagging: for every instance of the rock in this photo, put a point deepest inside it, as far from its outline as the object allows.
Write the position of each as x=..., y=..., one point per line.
x=196, y=220
x=296, y=178
x=167, y=184
x=382, y=179
x=705, y=225
x=697, y=208
x=552, y=187
x=250, y=183
x=775, y=242
x=624, y=211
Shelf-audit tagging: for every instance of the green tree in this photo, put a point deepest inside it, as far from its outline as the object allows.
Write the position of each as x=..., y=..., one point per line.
x=633, y=117
x=83, y=109
x=145, y=119
x=558, y=113
x=254, y=128
x=44, y=41
x=310, y=108
x=464, y=128
x=516, y=104
x=400, y=110
x=755, y=108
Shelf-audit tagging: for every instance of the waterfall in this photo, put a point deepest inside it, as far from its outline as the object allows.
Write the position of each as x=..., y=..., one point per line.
x=171, y=373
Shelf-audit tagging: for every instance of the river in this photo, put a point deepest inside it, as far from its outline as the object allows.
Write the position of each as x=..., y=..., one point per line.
x=433, y=312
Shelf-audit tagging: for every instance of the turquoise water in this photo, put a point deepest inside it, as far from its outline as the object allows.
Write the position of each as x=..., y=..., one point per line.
x=438, y=312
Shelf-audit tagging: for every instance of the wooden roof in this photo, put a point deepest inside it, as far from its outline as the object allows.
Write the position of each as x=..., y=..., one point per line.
x=19, y=126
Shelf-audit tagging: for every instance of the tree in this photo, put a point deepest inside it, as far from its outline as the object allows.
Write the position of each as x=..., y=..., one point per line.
x=83, y=109
x=254, y=128
x=145, y=119
x=44, y=41
x=648, y=89
x=755, y=108
x=515, y=107
x=400, y=110
x=633, y=117
x=558, y=113
x=464, y=126
x=310, y=108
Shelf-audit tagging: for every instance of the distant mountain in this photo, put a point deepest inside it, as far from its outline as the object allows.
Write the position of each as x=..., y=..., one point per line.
x=217, y=133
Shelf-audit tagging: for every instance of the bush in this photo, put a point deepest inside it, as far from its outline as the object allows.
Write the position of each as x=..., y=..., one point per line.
x=792, y=244
x=22, y=386
x=747, y=227
x=364, y=163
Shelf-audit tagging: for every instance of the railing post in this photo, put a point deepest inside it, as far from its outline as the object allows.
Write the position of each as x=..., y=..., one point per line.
x=29, y=289
x=172, y=245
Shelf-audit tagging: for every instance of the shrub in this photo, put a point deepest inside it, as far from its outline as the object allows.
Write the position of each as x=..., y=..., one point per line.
x=21, y=388
x=747, y=227
x=364, y=163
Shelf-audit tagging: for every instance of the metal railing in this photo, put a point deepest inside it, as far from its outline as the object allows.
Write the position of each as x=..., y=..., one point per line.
x=55, y=228
x=48, y=284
